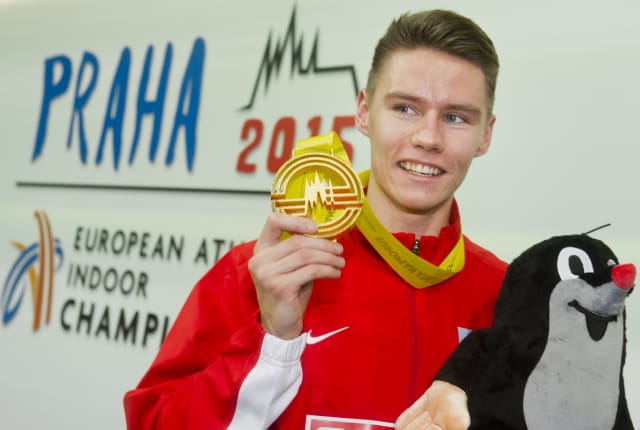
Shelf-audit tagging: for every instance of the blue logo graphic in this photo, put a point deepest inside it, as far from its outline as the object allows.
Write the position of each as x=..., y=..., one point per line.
x=34, y=267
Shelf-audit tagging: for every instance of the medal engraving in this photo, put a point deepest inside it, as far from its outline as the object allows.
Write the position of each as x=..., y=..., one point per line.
x=321, y=187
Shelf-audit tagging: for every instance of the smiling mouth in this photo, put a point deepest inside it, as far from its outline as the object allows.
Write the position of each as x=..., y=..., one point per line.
x=596, y=324
x=419, y=169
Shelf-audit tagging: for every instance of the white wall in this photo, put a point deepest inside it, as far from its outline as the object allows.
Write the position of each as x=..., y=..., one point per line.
x=564, y=159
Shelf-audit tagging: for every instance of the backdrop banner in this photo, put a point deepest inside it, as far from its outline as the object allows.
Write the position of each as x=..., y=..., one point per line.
x=140, y=139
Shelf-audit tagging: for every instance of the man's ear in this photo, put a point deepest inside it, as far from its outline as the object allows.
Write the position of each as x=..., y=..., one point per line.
x=362, y=113
x=486, y=137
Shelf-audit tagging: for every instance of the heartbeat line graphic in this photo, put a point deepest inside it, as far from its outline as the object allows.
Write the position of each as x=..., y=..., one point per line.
x=317, y=190
x=272, y=60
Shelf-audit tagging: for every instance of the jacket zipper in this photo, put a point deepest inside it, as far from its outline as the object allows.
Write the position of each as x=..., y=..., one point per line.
x=414, y=333
x=416, y=247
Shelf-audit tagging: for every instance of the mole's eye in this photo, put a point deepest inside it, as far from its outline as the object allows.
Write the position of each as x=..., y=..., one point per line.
x=573, y=262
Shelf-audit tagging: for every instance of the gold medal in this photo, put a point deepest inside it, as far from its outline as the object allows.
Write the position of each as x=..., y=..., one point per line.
x=319, y=186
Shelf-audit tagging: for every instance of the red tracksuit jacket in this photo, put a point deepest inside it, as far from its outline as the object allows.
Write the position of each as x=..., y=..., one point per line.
x=371, y=347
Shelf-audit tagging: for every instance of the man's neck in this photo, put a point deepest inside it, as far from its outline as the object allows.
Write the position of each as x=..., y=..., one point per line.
x=396, y=218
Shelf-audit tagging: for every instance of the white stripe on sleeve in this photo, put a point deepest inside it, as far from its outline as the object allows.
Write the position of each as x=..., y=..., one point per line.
x=271, y=385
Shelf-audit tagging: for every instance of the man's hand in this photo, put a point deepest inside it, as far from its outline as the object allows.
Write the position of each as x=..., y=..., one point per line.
x=442, y=407
x=283, y=271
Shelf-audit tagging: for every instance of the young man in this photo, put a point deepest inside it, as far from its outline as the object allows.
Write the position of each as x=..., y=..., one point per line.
x=308, y=333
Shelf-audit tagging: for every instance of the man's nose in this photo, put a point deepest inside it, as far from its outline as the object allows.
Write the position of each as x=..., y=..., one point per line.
x=428, y=134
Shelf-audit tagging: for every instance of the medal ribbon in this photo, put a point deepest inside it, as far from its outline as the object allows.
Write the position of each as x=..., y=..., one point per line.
x=417, y=271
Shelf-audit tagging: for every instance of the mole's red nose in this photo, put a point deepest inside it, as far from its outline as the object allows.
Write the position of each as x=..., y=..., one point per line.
x=624, y=275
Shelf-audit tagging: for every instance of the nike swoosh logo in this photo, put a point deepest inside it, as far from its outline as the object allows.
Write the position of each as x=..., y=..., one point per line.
x=317, y=339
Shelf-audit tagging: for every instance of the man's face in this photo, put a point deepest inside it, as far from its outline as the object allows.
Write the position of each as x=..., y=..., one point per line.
x=426, y=120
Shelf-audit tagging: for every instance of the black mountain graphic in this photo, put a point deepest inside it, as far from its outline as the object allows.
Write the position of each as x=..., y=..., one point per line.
x=273, y=58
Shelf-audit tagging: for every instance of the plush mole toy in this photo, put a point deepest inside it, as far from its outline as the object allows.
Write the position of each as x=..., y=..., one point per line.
x=554, y=356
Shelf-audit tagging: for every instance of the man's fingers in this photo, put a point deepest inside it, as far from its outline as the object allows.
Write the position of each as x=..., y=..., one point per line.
x=303, y=250
x=286, y=283
x=421, y=421
x=442, y=407
x=313, y=257
x=416, y=410
x=451, y=411
x=278, y=223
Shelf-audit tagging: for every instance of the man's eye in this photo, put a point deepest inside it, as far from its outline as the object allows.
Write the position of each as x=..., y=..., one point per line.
x=454, y=118
x=405, y=109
